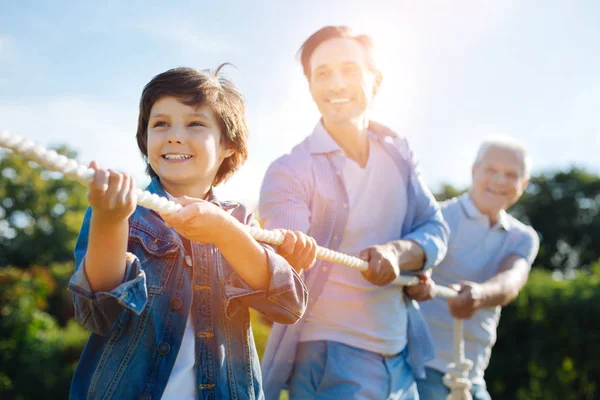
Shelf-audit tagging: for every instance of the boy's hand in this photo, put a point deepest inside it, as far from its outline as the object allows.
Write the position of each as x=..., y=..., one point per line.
x=199, y=221
x=111, y=195
x=298, y=249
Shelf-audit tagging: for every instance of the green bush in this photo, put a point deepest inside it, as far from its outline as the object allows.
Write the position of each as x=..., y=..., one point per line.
x=37, y=356
x=548, y=340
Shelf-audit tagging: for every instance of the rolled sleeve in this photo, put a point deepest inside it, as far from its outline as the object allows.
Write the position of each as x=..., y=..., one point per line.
x=430, y=231
x=98, y=311
x=284, y=301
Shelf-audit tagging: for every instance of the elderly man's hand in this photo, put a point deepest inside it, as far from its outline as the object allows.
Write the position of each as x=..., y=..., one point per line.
x=424, y=291
x=469, y=300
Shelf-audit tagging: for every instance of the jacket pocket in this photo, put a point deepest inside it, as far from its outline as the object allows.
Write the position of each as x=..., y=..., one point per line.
x=157, y=255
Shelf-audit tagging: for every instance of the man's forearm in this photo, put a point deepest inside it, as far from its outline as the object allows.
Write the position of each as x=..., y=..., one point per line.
x=505, y=286
x=500, y=290
x=411, y=256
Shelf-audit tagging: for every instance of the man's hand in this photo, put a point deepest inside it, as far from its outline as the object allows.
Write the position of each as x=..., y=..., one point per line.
x=424, y=291
x=298, y=249
x=469, y=299
x=383, y=264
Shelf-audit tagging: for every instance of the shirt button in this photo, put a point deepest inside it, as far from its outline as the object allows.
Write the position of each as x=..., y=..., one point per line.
x=176, y=304
x=345, y=205
x=164, y=348
x=145, y=396
x=290, y=361
x=335, y=237
x=188, y=261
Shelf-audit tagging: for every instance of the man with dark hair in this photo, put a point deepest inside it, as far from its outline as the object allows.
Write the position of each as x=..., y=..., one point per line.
x=354, y=186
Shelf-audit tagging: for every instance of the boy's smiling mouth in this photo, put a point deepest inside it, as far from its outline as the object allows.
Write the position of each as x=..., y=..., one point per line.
x=176, y=156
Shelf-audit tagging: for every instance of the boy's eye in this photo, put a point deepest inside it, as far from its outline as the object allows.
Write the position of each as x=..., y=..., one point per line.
x=159, y=123
x=196, y=123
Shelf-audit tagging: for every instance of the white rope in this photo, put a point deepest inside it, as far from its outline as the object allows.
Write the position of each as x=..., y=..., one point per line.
x=455, y=379
x=69, y=167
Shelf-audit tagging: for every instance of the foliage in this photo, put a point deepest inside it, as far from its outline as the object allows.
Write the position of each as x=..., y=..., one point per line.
x=548, y=340
x=40, y=212
x=37, y=357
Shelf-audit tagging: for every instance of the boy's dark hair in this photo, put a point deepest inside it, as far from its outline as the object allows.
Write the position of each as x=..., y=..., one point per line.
x=194, y=88
x=333, y=32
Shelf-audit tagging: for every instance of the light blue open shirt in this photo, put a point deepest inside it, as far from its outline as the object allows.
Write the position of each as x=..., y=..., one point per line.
x=302, y=191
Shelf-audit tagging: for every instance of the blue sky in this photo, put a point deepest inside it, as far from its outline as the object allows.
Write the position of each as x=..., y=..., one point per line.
x=454, y=73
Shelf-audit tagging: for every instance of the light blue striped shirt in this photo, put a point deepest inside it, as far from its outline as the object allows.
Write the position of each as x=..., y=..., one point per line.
x=302, y=191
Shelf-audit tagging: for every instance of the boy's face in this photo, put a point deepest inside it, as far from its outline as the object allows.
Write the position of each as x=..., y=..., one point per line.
x=341, y=82
x=498, y=180
x=184, y=146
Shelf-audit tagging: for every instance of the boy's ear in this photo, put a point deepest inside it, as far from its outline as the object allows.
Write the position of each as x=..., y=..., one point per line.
x=227, y=153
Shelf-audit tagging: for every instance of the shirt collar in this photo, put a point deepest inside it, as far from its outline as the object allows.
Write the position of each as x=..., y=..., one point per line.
x=473, y=212
x=321, y=142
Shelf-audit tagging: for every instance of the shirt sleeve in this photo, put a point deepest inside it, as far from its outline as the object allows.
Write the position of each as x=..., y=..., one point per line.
x=528, y=245
x=284, y=301
x=284, y=201
x=98, y=311
x=430, y=230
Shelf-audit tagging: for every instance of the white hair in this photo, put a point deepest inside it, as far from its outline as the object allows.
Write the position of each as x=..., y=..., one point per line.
x=506, y=143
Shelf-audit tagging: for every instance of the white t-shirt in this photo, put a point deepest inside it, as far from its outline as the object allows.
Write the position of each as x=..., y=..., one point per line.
x=182, y=381
x=350, y=309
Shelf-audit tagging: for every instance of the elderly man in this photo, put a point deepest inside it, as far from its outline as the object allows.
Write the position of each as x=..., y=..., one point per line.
x=353, y=185
x=489, y=254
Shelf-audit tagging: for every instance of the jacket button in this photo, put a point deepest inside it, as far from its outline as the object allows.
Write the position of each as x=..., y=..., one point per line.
x=188, y=261
x=145, y=396
x=164, y=348
x=176, y=304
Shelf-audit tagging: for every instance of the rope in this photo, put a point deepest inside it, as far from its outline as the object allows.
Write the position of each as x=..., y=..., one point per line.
x=457, y=377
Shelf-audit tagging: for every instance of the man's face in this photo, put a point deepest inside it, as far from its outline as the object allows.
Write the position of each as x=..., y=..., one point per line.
x=498, y=180
x=341, y=82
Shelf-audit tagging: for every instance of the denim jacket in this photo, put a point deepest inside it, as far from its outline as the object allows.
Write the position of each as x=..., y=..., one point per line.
x=305, y=191
x=138, y=327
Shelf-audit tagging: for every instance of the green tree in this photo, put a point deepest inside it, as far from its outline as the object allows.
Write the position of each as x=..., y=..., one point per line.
x=563, y=207
x=447, y=192
x=40, y=212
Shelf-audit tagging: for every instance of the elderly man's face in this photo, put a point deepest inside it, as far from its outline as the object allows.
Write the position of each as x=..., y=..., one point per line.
x=498, y=180
x=341, y=82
